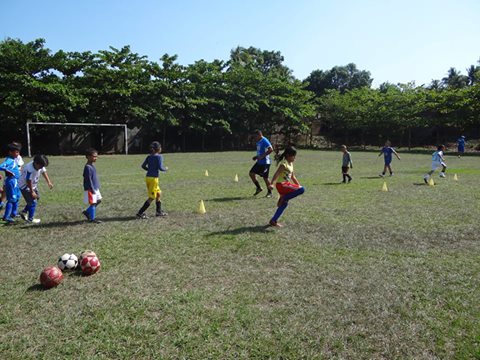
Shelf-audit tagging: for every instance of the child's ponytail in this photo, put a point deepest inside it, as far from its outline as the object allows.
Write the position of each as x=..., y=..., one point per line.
x=289, y=151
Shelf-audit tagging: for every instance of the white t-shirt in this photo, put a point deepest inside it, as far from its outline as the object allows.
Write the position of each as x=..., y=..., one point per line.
x=437, y=156
x=30, y=173
x=19, y=161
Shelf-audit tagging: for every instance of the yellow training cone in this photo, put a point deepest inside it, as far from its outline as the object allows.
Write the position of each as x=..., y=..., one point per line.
x=236, y=178
x=455, y=177
x=201, y=208
x=206, y=172
x=384, y=187
x=430, y=182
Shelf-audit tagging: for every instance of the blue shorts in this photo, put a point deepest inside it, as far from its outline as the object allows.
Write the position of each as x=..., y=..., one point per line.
x=11, y=189
x=461, y=149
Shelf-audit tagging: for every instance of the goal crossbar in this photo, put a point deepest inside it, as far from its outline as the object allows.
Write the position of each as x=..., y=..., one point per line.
x=29, y=123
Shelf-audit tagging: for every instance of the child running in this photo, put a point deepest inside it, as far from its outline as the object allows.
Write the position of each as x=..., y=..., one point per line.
x=28, y=185
x=387, y=152
x=19, y=161
x=91, y=187
x=153, y=164
x=286, y=183
x=346, y=164
x=437, y=161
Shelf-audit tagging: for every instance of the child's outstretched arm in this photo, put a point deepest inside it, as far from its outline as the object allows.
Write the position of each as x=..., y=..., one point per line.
x=160, y=164
x=145, y=165
x=295, y=180
x=47, y=179
x=280, y=169
x=396, y=154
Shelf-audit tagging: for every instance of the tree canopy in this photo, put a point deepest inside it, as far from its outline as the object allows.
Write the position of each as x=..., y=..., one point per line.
x=221, y=102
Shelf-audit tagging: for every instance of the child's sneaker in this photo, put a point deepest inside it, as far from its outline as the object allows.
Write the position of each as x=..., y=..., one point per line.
x=33, y=221
x=84, y=212
x=95, y=221
x=269, y=194
x=381, y=175
x=425, y=178
x=24, y=216
x=161, y=213
x=142, y=216
x=391, y=174
x=442, y=175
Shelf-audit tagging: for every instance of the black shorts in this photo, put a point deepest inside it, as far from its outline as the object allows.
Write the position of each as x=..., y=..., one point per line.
x=27, y=195
x=261, y=169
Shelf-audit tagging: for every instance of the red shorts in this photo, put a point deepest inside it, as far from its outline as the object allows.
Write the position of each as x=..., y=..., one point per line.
x=286, y=187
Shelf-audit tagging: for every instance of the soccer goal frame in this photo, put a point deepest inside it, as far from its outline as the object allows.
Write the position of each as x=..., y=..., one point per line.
x=75, y=124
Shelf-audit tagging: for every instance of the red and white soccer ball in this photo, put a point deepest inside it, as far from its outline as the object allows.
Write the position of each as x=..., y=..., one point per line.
x=51, y=276
x=86, y=253
x=90, y=265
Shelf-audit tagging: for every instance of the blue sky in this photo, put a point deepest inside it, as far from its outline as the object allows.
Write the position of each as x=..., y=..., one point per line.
x=397, y=41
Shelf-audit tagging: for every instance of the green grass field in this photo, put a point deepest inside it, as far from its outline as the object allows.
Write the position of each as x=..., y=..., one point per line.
x=356, y=273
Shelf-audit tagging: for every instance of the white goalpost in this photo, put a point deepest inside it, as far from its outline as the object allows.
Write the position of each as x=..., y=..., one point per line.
x=75, y=124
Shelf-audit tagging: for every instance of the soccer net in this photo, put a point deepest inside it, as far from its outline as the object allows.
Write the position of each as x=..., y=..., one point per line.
x=33, y=124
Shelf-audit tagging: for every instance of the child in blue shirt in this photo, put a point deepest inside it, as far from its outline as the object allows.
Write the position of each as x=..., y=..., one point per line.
x=387, y=152
x=91, y=187
x=153, y=164
x=461, y=145
x=12, y=191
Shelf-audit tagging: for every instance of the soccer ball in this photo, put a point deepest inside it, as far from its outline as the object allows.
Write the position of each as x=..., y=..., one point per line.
x=67, y=262
x=86, y=253
x=90, y=265
x=51, y=276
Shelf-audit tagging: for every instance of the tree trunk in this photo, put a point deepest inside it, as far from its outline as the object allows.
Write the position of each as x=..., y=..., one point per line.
x=409, y=139
x=164, y=135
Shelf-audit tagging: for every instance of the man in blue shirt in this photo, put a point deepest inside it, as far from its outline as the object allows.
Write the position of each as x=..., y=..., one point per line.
x=262, y=162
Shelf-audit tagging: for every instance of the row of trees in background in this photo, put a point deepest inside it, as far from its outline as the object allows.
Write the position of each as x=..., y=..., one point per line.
x=221, y=102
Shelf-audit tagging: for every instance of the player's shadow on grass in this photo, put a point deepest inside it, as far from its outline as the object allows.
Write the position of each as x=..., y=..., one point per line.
x=36, y=287
x=333, y=183
x=242, y=230
x=56, y=224
x=371, y=177
x=233, y=198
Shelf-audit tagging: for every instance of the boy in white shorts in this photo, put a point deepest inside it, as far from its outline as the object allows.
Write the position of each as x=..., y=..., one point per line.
x=28, y=184
x=437, y=161
x=91, y=187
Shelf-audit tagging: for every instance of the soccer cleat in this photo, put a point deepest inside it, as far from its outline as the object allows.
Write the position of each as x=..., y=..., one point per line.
x=258, y=191
x=142, y=216
x=9, y=221
x=95, y=221
x=269, y=194
x=350, y=180
x=391, y=174
x=33, y=221
x=381, y=175
x=24, y=216
x=274, y=223
x=84, y=212
x=425, y=178
x=161, y=213
x=442, y=175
